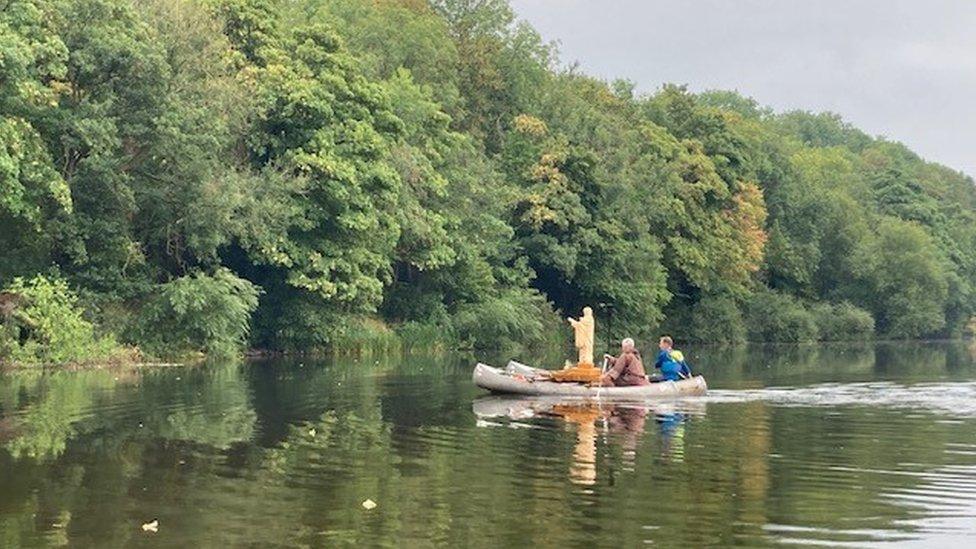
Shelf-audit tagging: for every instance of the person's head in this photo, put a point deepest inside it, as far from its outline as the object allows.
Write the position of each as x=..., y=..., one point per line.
x=627, y=344
x=666, y=343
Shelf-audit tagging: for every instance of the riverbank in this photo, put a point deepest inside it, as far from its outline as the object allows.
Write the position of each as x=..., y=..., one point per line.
x=547, y=356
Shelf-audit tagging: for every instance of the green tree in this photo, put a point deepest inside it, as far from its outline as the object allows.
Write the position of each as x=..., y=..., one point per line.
x=32, y=192
x=584, y=247
x=902, y=280
x=208, y=313
x=502, y=65
x=323, y=122
x=818, y=223
x=390, y=35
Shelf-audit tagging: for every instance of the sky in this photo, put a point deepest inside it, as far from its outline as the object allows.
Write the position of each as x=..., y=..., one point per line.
x=902, y=69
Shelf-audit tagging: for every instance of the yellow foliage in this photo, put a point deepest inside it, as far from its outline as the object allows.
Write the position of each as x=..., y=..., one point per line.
x=749, y=216
x=530, y=125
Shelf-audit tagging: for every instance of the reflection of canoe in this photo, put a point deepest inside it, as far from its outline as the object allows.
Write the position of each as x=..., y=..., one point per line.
x=522, y=380
x=525, y=407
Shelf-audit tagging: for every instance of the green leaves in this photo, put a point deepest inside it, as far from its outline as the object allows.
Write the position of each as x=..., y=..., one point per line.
x=903, y=280
x=207, y=313
x=31, y=190
x=46, y=326
x=324, y=122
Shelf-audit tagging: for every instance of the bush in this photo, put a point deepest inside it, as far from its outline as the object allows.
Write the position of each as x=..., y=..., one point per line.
x=292, y=320
x=776, y=317
x=363, y=336
x=843, y=322
x=43, y=324
x=198, y=313
x=516, y=318
x=712, y=319
x=426, y=336
x=715, y=320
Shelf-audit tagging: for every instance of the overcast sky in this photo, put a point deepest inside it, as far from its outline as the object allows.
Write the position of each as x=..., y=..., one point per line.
x=904, y=69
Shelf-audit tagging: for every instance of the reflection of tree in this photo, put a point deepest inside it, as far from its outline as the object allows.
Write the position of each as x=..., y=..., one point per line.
x=206, y=406
x=78, y=444
x=48, y=409
x=758, y=365
x=214, y=410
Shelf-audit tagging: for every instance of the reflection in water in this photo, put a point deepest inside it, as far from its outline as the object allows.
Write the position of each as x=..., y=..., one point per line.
x=583, y=468
x=628, y=422
x=956, y=398
x=854, y=445
x=207, y=407
x=672, y=426
x=625, y=422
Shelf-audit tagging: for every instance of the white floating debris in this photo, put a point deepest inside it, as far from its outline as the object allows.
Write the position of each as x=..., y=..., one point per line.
x=151, y=526
x=369, y=505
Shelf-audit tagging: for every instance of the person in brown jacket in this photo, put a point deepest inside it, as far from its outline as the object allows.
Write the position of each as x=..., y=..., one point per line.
x=626, y=369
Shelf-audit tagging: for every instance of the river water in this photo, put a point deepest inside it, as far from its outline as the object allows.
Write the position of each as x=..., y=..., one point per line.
x=838, y=446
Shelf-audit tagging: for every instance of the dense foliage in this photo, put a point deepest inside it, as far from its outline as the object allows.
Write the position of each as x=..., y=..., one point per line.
x=47, y=326
x=426, y=167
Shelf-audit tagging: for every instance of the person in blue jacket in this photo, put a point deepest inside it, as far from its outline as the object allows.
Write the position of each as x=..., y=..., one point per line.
x=671, y=362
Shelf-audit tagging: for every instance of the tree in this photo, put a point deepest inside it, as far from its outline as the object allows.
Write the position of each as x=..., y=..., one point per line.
x=32, y=192
x=502, y=65
x=584, y=246
x=818, y=223
x=903, y=280
x=321, y=120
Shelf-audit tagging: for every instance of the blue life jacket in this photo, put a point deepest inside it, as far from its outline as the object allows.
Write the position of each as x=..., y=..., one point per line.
x=672, y=365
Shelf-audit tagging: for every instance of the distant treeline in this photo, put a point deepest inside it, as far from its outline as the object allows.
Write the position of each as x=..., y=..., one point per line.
x=197, y=176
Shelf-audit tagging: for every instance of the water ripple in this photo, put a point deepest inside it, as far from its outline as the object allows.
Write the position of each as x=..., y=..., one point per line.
x=955, y=399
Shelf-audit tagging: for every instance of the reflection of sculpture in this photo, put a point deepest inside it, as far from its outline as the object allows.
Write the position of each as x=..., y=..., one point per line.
x=583, y=468
x=583, y=330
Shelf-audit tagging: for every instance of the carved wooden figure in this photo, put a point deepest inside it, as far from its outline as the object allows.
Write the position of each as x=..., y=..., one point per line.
x=583, y=330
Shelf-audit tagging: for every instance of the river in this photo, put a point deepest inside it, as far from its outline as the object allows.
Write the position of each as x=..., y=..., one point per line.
x=847, y=445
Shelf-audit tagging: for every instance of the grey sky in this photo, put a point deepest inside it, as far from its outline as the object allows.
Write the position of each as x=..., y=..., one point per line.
x=904, y=69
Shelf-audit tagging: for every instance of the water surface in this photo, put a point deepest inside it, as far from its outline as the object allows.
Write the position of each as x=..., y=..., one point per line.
x=840, y=446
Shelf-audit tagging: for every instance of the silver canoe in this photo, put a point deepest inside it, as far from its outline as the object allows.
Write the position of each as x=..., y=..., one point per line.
x=519, y=379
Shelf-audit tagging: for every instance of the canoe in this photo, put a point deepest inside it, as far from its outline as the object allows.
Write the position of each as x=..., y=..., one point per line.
x=519, y=379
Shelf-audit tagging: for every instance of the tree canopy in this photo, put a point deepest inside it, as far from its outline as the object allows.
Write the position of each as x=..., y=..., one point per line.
x=307, y=172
